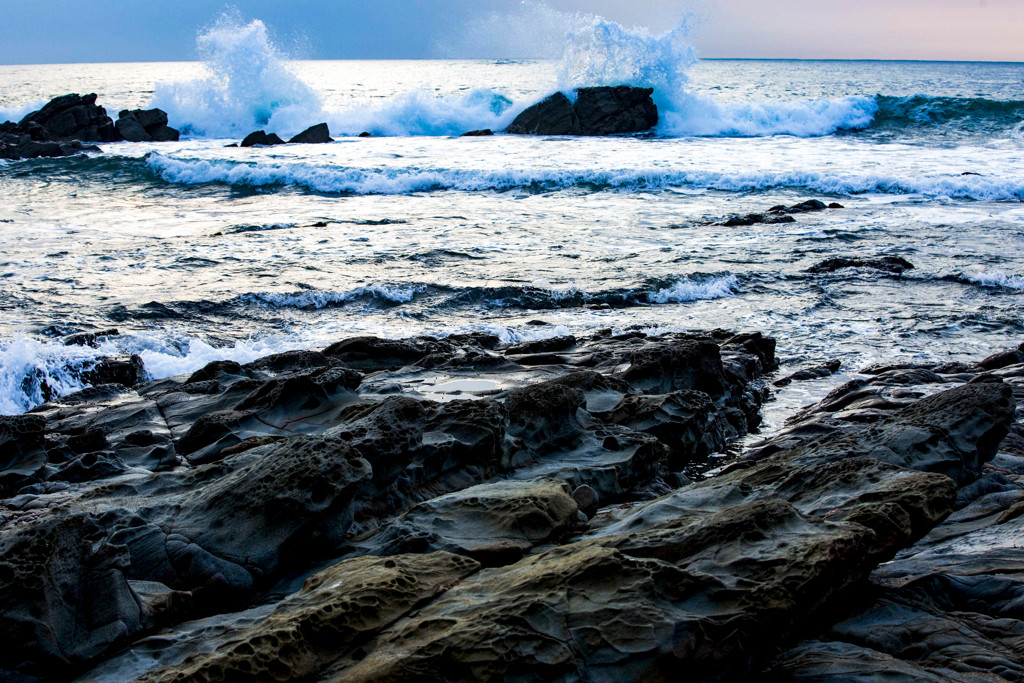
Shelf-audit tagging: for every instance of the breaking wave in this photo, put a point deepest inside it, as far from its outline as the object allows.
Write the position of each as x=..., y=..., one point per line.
x=385, y=181
x=250, y=85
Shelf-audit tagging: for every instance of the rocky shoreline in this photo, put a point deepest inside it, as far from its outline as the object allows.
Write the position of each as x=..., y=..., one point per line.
x=462, y=508
x=66, y=123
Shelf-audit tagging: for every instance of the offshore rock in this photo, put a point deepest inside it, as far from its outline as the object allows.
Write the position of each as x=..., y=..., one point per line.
x=261, y=138
x=314, y=135
x=72, y=117
x=888, y=264
x=145, y=125
x=605, y=110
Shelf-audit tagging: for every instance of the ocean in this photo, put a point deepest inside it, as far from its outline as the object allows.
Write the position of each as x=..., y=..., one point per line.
x=196, y=251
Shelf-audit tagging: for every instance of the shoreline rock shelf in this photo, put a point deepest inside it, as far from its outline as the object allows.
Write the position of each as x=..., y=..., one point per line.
x=336, y=515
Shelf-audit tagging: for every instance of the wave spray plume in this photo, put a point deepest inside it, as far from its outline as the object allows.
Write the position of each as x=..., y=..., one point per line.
x=249, y=85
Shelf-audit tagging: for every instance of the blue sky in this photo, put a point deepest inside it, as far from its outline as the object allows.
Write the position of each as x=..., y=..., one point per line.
x=55, y=31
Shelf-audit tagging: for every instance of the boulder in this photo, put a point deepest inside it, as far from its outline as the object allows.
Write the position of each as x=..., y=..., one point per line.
x=16, y=145
x=612, y=110
x=73, y=117
x=262, y=139
x=145, y=125
x=605, y=110
x=888, y=264
x=313, y=135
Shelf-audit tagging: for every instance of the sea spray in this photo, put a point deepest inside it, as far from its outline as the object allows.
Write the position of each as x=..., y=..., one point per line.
x=422, y=112
x=601, y=52
x=249, y=85
x=33, y=371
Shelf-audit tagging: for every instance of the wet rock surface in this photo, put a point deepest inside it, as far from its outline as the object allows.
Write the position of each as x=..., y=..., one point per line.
x=145, y=125
x=61, y=127
x=605, y=110
x=349, y=514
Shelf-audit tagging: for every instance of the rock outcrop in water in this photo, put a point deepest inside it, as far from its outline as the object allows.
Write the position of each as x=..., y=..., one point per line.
x=60, y=128
x=314, y=135
x=145, y=125
x=601, y=110
x=465, y=509
x=73, y=117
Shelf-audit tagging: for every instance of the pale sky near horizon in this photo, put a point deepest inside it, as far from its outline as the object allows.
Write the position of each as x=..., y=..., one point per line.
x=57, y=31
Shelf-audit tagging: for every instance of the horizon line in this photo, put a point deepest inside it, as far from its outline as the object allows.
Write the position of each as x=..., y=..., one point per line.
x=542, y=59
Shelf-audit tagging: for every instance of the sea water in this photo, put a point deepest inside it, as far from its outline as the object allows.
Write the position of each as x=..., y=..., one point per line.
x=196, y=251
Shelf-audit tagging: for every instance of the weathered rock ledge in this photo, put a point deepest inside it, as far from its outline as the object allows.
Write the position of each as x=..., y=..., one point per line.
x=464, y=509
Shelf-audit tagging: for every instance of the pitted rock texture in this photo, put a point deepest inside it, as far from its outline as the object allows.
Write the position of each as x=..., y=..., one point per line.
x=540, y=525
x=335, y=611
x=946, y=608
x=494, y=523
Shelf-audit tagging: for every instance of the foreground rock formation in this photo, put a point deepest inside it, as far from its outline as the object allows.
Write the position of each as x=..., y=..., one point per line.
x=463, y=509
x=595, y=111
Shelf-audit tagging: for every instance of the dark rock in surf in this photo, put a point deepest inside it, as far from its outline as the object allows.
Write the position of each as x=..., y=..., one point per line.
x=126, y=372
x=612, y=110
x=757, y=218
x=553, y=115
x=145, y=125
x=89, y=338
x=824, y=370
x=889, y=264
x=808, y=206
x=477, y=133
x=72, y=117
x=31, y=142
x=262, y=139
x=314, y=135
x=605, y=110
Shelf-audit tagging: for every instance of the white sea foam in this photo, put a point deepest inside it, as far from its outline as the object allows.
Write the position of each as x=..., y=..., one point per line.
x=996, y=278
x=316, y=299
x=26, y=365
x=249, y=85
x=696, y=115
x=687, y=289
x=601, y=52
x=422, y=112
x=17, y=113
x=385, y=181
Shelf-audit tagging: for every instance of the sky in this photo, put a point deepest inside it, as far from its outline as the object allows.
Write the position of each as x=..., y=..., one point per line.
x=67, y=31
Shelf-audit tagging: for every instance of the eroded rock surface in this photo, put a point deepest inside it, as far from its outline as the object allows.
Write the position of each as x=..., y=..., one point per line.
x=335, y=515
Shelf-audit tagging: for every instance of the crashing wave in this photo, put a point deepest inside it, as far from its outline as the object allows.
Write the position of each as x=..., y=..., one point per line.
x=385, y=181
